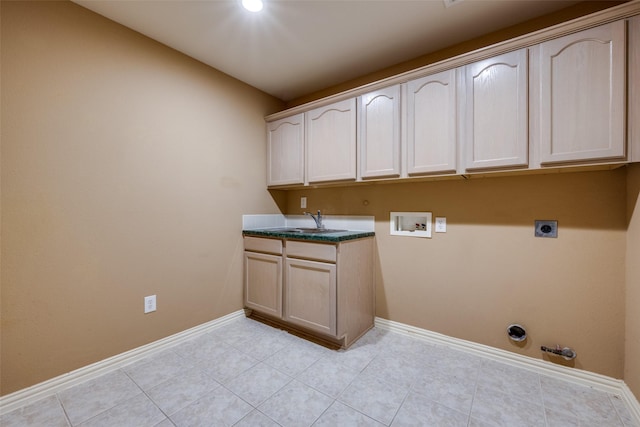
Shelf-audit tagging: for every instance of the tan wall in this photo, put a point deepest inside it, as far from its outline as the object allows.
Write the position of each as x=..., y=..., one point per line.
x=126, y=167
x=489, y=270
x=632, y=344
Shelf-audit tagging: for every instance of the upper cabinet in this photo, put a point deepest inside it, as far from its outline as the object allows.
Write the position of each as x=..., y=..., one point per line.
x=556, y=98
x=431, y=120
x=379, y=137
x=634, y=89
x=495, y=131
x=331, y=142
x=285, y=151
x=581, y=99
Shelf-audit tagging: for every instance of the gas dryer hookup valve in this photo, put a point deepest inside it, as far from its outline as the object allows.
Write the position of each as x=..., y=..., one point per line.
x=566, y=353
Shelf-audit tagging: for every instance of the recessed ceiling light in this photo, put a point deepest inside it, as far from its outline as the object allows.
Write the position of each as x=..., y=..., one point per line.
x=449, y=3
x=252, y=5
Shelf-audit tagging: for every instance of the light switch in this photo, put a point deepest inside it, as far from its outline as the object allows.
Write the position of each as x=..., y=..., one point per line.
x=303, y=202
x=441, y=225
x=149, y=304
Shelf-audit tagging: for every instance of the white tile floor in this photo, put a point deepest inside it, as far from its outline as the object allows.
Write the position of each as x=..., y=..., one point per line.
x=249, y=374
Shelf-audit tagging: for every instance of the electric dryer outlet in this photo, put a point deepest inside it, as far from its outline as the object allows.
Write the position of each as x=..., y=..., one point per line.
x=546, y=228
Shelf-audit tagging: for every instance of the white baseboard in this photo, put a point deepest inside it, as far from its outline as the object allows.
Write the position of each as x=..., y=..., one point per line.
x=577, y=376
x=36, y=392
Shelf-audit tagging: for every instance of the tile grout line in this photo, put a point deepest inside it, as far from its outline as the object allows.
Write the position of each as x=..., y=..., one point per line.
x=404, y=399
x=64, y=410
x=148, y=397
x=473, y=398
x=615, y=408
x=544, y=406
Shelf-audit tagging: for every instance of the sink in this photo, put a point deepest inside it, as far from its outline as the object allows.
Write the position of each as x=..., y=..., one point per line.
x=318, y=230
x=302, y=230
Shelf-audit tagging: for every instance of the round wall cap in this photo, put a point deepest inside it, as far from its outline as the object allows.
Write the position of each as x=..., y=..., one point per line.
x=516, y=332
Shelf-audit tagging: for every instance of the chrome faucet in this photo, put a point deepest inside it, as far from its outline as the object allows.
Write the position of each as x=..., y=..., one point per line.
x=317, y=219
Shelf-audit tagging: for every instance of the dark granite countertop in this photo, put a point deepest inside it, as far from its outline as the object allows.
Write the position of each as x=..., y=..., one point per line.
x=308, y=234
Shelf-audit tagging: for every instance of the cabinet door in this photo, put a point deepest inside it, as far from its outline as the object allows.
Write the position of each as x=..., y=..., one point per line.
x=581, y=105
x=285, y=151
x=431, y=124
x=310, y=295
x=331, y=142
x=379, y=125
x=496, y=112
x=263, y=283
x=634, y=88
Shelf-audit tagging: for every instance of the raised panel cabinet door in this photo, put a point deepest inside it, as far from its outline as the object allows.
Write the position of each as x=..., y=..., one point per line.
x=431, y=124
x=634, y=89
x=496, y=112
x=285, y=151
x=263, y=283
x=582, y=95
x=331, y=142
x=310, y=295
x=379, y=126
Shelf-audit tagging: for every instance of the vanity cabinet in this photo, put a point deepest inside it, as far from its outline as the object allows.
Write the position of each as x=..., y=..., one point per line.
x=379, y=137
x=495, y=130
x=331, y=142
x=431, y=121
x=580, y=106
x=285, y=151
x=326, y=288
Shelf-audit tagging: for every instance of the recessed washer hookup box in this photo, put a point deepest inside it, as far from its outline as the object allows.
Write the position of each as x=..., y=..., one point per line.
x=412, y=224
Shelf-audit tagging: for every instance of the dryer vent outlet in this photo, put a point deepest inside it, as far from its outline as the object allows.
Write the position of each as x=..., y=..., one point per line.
x=517, y=332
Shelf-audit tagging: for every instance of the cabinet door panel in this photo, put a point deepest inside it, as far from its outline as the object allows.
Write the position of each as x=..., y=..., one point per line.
x=311, y=295
x=582, y=97
x=379, y=126
x=285, y=151
x=634, y=89
x=431, y=124
x=497, y=112
x=331, y=142
x=263, y=283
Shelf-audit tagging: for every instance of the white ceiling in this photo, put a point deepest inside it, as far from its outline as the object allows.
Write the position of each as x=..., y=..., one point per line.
x=295, y=47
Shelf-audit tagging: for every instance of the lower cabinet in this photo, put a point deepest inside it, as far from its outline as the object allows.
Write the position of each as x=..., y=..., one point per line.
x=263, y=287
x=325, y=289
x=263, y=275
x=311, y=294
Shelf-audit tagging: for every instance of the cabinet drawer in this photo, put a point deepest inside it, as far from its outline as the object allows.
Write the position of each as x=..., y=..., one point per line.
x=257, y=244
x=317, y=251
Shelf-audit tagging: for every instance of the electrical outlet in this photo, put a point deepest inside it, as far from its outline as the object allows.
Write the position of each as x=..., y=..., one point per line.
x=149, y=304
x=303, y=202
x=441, y=224
x=546, y=228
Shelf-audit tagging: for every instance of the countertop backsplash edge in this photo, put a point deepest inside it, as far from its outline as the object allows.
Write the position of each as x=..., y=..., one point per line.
x=345, y=222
